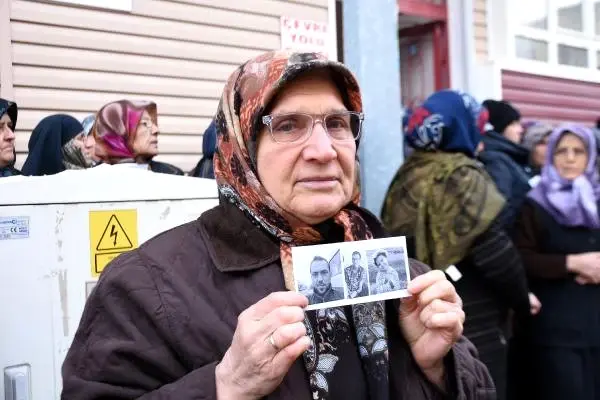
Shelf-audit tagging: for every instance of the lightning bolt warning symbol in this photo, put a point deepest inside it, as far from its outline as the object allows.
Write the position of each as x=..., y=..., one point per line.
x=114, y=237
x=114, y=234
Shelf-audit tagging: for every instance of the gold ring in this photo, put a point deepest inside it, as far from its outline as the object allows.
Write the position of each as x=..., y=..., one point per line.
x=272, y=341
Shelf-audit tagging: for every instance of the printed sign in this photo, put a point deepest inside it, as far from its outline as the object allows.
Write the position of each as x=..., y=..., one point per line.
x=111, y=233
x=305, y=35
x=14, y=228
x=339, y=274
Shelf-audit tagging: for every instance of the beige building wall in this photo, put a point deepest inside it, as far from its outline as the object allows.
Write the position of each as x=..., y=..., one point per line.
x=72, y=59
x=480, y=29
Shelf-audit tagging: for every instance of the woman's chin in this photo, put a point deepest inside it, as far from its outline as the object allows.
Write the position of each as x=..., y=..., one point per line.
x=315, y=209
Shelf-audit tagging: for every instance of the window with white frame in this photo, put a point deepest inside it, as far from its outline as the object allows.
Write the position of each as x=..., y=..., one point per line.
x=563, y=33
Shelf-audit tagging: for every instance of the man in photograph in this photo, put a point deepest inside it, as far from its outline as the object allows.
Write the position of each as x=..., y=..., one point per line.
x=356, y=278
x=320, y=273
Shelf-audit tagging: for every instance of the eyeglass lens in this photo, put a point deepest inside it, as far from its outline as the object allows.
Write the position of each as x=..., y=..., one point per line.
x=295, y=126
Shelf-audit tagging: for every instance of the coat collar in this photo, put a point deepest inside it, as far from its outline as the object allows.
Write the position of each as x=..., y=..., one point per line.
x=235, y=243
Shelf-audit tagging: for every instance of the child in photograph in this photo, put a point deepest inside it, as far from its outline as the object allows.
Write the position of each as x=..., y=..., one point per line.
x=323, y=291
x=387, y=279
x=356, y=278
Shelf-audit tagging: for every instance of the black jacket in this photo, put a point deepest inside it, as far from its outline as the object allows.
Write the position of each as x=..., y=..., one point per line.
x=508, y=165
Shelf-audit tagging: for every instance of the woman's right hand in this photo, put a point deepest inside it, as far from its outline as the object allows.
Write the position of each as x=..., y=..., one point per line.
x=586, y=266
x=269, y=337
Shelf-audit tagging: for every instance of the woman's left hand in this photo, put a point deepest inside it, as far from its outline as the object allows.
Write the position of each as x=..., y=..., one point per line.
x=432, y=321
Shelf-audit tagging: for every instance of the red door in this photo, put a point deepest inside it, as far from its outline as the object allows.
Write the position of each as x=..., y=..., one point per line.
x=424, y=55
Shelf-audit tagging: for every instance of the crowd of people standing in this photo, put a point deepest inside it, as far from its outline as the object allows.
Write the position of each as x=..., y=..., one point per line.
x=513, y=206
x=507, y=209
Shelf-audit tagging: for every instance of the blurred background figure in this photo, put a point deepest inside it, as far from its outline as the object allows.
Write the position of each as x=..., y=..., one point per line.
x=8, y=123
x=204, y=168
x=126, y=132
x=447, y=206
x=505, y=159
x=405, y=118
x=535, y=140
x=88, y=124
x=558, y=235
x=58, y=143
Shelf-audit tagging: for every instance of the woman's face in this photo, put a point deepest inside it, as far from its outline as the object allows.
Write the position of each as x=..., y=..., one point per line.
x=311, y=179
x=145, y=143
x=538, y=155
x=86, y=144
x=514, y=132
x=382, y=262
x=7, y=141
x=570, y=156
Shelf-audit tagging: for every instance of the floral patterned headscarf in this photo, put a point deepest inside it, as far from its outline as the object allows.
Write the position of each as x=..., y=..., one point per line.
x=115, y=127
x=246, y=97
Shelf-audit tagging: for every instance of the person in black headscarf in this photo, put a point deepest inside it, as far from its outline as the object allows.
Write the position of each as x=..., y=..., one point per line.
x=8, y=123
x=57, y=143
x=204, y=168
x=505, y=159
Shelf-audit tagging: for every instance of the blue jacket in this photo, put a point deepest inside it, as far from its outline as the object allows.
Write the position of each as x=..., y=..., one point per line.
x=508, y=165
x=204, y=168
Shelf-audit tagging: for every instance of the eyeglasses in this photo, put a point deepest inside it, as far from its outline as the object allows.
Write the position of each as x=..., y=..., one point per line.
x=147, y=124
x=294, y=127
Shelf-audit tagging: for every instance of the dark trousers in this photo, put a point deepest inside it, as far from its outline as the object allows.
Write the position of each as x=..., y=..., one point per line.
x=566, y=373
x=554, y=373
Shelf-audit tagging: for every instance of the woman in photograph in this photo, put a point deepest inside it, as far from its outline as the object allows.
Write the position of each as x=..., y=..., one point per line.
x=386, y=279
x=208, y=309
x=558, y=235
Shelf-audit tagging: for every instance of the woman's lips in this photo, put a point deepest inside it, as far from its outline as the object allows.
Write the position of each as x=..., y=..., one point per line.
x=318, y=183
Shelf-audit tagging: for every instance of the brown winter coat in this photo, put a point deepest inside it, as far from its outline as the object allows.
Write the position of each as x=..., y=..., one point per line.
x=162, y=316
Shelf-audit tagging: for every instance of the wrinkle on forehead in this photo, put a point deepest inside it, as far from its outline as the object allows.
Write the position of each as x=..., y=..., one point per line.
x=300, y=91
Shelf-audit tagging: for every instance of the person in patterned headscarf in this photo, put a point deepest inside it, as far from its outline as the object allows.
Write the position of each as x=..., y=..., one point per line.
x=445, y=203
x=126, y=132
x=209, y=310
x=8, y=124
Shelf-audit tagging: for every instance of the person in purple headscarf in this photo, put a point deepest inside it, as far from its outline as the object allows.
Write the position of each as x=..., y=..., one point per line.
x=558, y=235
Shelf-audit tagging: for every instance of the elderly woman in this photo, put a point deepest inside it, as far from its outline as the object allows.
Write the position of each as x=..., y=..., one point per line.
x=535, y=141
x=8, y=123
x=445, y=203
x=559, y=238
x=127, y=133
x=206, y=311
x=57, y=143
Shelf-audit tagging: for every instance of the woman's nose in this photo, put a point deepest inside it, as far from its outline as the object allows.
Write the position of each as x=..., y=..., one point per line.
x=319, y=145
x=8, y=134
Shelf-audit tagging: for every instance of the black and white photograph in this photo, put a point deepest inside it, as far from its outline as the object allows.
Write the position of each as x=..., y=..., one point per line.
x=387, y=269
x=356, y=273
x=338, y=274
x=321, y=280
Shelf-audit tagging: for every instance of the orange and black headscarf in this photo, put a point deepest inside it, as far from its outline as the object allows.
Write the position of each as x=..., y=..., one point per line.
x=246, y=97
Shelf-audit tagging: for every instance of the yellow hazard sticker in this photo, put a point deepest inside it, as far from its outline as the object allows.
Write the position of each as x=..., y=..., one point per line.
x=111, y=234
